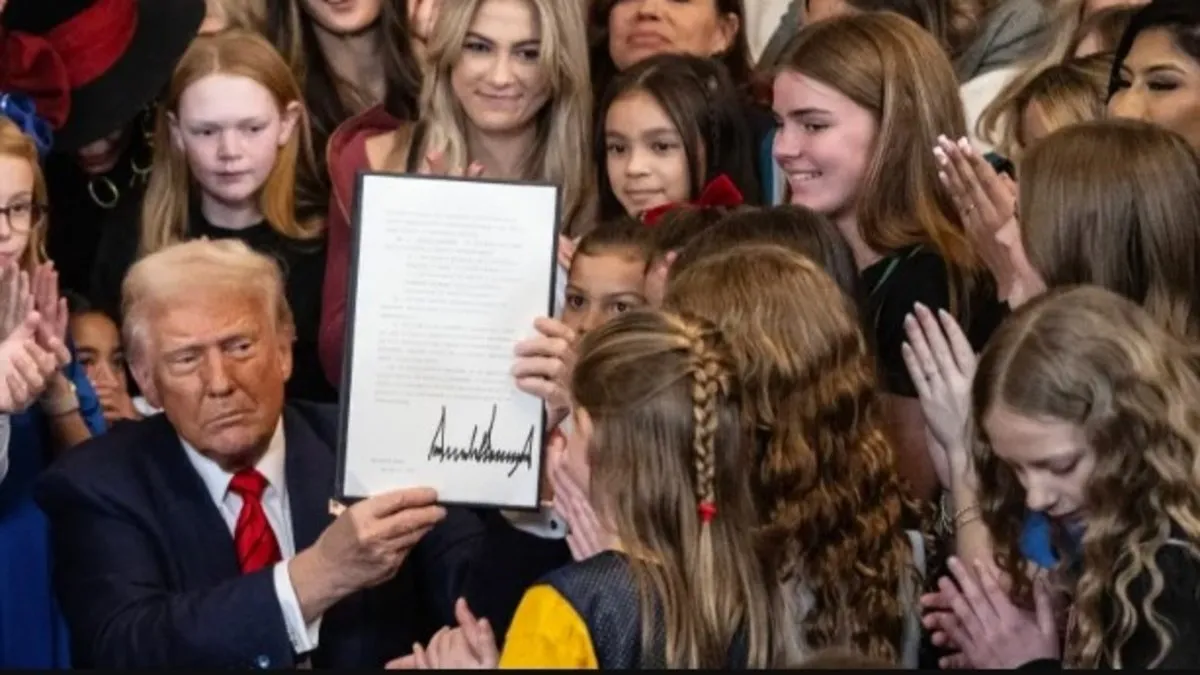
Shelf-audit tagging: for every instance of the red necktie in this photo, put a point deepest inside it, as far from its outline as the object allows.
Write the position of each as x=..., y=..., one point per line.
x=255, y=541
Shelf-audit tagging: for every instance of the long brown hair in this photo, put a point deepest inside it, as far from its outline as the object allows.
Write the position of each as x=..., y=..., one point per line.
x=661, y=393
x=165, y=212
x=14, y=143
x=1116, y=203
x=826, y=472
x=1088, y=357
x=893, y=68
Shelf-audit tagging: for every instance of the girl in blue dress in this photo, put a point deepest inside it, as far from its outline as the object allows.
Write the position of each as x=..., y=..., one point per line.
x=67, y=412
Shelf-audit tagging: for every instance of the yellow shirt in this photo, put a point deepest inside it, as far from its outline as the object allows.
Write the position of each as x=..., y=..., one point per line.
x=547, y=632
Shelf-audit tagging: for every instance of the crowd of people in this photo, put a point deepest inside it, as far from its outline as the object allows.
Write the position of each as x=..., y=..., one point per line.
x=872, y=346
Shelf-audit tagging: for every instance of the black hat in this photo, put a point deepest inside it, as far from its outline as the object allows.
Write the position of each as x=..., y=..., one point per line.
x=118, y=55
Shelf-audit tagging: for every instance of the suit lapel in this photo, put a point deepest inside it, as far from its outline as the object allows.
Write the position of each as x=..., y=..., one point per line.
x=202, y=543
x=309, y=467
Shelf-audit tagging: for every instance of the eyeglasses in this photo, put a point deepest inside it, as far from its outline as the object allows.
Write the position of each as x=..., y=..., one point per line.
x=22, y=215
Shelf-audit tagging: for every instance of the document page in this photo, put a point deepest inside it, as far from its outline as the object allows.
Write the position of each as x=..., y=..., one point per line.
x=448, y=275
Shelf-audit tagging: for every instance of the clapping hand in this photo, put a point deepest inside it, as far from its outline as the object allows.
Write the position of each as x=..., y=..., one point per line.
x=435, y=164
x=977, y=617
x=471, y=645
x=26, y=366
x=942, y=364
x=987, y=206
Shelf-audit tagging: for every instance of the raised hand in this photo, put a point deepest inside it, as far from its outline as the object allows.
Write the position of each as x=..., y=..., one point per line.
x=48, y=302
x=942, y=363
x=16, y=301
x=543, y=366
x=25, y=366
x=987, y=206
x=471, y=645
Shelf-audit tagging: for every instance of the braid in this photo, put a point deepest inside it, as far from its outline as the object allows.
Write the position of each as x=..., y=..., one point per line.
x=709, y=380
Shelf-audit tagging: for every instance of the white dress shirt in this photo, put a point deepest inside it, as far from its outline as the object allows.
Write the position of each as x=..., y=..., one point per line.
x=304, y=637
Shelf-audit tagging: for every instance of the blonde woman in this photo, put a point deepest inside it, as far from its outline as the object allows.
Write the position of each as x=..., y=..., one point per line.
x=1058, y=96
x=534, y=52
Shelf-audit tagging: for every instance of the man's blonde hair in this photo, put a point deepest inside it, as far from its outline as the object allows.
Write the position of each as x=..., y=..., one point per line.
x=228, y=266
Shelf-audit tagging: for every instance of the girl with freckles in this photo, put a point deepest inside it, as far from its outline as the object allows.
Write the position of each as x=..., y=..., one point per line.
x=231, y=139
x=506, y=96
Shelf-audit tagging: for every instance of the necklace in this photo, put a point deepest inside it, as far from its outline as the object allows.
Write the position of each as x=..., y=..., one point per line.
x=103, y=190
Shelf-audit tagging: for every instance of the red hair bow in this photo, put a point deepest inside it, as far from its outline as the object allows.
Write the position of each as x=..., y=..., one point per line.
x=719, y=192
x=30, y=66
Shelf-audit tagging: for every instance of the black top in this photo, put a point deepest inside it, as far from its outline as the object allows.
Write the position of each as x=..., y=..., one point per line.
x=1177, y=607
x=84, y=208
x=899, y=281
x=303, y=265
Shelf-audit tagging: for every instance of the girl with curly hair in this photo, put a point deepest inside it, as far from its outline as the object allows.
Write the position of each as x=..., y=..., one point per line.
x=829, y=496
x=1084, y=409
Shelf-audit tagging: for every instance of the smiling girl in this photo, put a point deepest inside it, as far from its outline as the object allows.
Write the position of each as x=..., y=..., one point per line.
x=231, y=139
x=667, y=127
x=859, y=103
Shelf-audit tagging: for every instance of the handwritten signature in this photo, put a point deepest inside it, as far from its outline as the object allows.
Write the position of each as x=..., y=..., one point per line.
x=484, y=452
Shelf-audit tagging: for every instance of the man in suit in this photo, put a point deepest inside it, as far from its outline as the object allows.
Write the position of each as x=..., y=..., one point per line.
x=202, y=537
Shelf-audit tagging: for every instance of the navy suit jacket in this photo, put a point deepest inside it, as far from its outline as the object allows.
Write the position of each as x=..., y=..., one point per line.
x=147, y=575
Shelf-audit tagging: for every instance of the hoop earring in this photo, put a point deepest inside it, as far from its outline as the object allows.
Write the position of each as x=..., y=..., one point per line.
x=141, y=174
x=109, y=186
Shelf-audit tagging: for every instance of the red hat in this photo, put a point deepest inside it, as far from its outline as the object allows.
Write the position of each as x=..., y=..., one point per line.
x=114, y=56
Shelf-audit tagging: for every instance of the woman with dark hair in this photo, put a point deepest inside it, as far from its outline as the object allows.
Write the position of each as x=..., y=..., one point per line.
x=347, y=59
x=1156, y=74
x=625, y=32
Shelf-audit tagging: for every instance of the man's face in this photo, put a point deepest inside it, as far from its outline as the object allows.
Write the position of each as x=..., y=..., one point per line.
x=217, y=364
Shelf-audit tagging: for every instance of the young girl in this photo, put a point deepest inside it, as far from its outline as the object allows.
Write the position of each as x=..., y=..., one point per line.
x=824, y=470
x=666, y=129
x=1082, y=410
x=682, y=586
x=607, y=275
x=98, y=347
x=230, y=138
x=861, y=157
x=32, y=634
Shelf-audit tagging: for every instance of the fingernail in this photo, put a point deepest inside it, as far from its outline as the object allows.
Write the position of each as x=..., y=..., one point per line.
x=940, y=156
x=943, y=177
x=920, y=307
x=964, y=144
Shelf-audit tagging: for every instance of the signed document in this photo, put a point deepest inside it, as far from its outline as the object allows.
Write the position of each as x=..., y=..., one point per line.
x=447, y=276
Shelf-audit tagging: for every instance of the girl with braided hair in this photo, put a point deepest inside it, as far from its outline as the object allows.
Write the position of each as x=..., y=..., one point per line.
x=830, y=497
x=656, y=437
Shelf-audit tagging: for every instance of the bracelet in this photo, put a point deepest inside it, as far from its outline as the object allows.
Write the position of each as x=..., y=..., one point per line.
x=63, y=404
x=972, y=511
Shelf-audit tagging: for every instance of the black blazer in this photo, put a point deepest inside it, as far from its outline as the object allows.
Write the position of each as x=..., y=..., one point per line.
x=147, y=575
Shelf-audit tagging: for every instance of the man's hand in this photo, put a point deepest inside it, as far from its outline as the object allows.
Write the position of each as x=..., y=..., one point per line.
x=363, y=547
